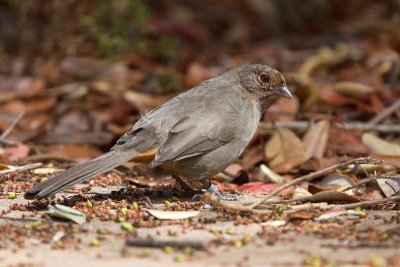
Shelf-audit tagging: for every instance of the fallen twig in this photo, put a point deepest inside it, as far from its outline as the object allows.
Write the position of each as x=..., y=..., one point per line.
x=16, y=169
x=216, y=201
x=384, y=114
x=325, y=206
x=154, y=243
x=366, y=181
x=302, y=126
x=367, y=203
x=360, y=204
x=12, y=126
x=316, y=174
x=6, y=143
x=266, y=209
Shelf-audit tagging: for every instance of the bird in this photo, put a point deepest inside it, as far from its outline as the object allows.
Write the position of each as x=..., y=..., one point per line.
x=194, y=136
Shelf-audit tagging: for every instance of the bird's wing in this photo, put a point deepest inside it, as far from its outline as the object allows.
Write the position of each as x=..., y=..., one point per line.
x=191, y=137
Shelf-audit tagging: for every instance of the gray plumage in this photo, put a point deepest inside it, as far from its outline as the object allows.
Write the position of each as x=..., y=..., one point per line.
x=198, y=133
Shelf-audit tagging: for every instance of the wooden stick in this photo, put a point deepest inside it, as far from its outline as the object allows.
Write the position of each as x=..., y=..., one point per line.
x=367, y=203
x=302, y=126
x=371, y=179
x=238, y=207
x=23, y=168
x=386, y=113
x=216, y=201
x=12, y=126
x=361, y=204
x=154, y=243
x=313, y=175
x=6, y=142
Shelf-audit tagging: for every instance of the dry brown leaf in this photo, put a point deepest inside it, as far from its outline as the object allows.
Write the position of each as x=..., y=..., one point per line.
x=302, y=214
x=78, y=153
x=380, y=146
x=314, y=188
x=331, y=196
x=33, y=106
x=331, y=97
x=24, y=87
x=284, y=151
x=388, y=159
x=325, y=56
x=389, y=186
x=172, y=215
x=345, y=142
x=316, y=139
x=352, y=89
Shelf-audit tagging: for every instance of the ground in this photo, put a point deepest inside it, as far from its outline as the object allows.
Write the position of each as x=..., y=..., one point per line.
x=231, y=239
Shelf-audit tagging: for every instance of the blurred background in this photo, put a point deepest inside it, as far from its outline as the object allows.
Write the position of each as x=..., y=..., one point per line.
x=84, y=71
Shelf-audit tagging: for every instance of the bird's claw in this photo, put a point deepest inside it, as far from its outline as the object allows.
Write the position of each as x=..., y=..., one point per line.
x=221, y=195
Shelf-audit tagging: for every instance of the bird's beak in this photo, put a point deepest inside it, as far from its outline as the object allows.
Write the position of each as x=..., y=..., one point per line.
x=282, y=91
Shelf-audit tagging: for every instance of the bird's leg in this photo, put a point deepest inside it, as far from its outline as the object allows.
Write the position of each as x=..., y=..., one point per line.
x=183, y=184
x=210, y=187
x=207, y=186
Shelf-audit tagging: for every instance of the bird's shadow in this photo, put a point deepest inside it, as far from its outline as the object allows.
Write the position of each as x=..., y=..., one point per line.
x=149, y=195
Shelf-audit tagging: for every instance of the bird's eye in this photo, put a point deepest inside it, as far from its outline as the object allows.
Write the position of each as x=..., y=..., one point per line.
x=264, y=78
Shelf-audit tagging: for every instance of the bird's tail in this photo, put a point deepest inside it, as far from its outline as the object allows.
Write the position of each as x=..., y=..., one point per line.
x=80, y=173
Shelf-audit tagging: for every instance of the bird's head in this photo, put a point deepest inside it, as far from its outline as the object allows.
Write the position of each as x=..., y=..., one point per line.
x=264, y=82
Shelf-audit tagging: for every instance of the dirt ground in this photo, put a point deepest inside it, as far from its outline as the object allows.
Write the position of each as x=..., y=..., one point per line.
x=371, y=240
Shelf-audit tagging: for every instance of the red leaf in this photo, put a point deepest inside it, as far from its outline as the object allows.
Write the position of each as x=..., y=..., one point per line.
x=258, y=187
x=12, y=154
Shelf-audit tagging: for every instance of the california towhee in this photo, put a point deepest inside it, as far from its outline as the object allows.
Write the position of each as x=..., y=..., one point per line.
x=195, y=135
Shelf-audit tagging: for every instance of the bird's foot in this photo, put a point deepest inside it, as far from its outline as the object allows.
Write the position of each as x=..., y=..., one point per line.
x=213, y=190
x=207, y=187
x=210, y=187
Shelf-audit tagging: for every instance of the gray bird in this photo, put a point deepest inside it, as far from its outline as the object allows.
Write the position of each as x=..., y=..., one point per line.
x=195, y=135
